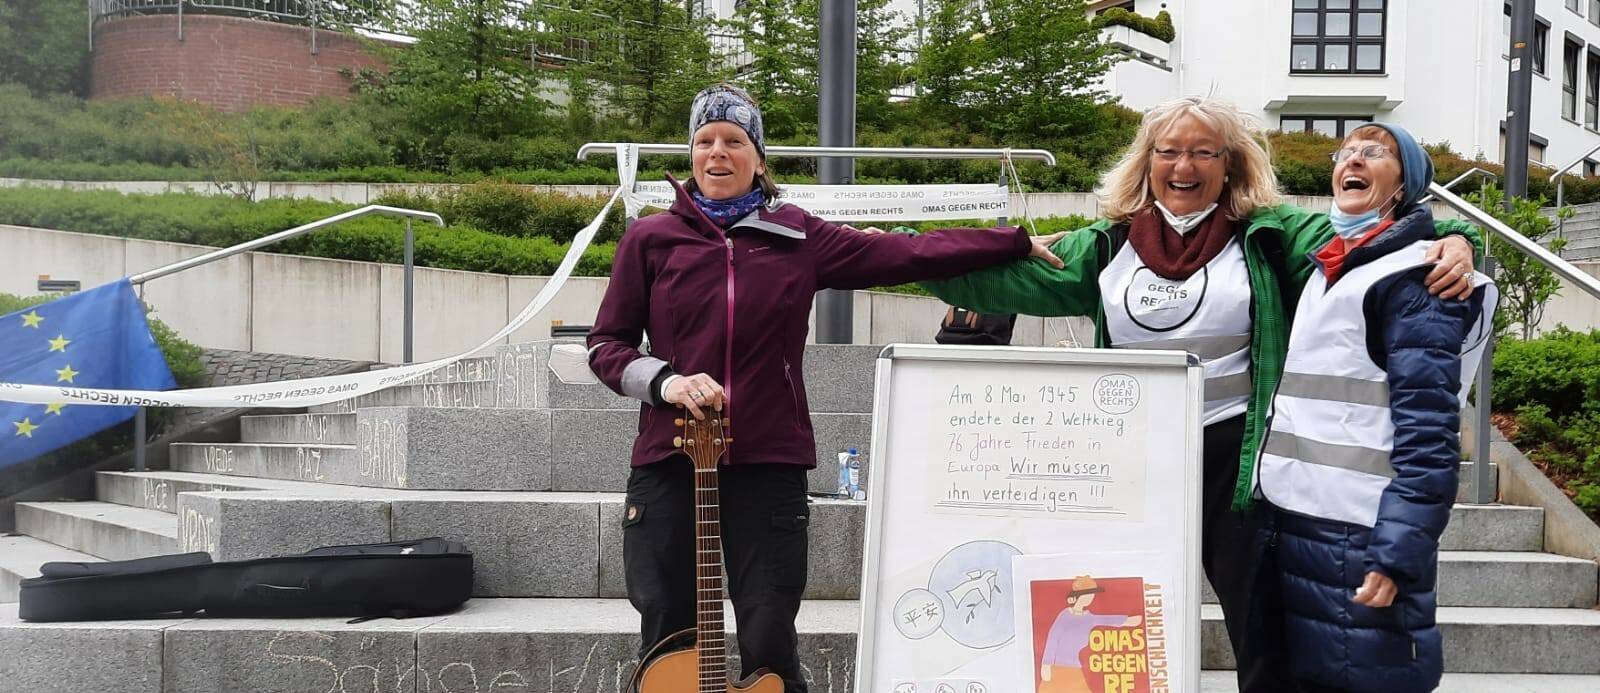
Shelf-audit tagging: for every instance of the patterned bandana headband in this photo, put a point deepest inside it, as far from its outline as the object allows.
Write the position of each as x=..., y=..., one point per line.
x=732, y=104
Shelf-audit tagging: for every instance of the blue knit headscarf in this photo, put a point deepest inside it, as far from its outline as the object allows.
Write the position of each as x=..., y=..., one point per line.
x=725, y=102
x=1416, y=167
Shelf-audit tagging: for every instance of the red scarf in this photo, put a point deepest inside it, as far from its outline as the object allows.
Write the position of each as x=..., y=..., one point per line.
x=1333, y=254
x=1176, y=256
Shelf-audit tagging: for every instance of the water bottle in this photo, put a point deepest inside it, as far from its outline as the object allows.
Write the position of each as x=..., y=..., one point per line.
x=844, y=474
x=852, y=469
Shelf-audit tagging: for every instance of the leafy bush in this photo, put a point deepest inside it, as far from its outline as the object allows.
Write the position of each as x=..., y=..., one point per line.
x=512, y=211
x=1551, y=387
x=1159, y=26
x=224, y=221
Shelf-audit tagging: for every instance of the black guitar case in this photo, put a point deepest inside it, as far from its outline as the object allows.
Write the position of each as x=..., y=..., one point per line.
x=399, y=579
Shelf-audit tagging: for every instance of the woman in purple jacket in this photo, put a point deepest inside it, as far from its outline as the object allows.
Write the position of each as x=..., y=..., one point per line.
x=723, y=284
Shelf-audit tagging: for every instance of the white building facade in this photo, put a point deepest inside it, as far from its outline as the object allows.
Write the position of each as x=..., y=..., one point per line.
x=1436, y=67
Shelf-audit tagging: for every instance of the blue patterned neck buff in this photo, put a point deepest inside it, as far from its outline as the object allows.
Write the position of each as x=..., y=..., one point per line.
x=725, y=212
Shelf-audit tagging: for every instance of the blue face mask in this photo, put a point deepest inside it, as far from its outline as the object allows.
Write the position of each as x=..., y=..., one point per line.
x=1351, y=226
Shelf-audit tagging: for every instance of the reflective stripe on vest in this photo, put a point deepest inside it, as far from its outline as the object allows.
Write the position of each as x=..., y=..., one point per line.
x=1328, y=447
x=1207, y=315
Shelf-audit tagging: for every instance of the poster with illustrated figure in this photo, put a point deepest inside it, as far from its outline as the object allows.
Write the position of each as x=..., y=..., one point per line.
x=1095, y=623
x=1033, y=522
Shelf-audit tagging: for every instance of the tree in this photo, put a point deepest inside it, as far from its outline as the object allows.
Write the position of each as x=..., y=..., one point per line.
x=1040, y=66
x=44, y=44
x=643, y=59
x=1525, y=285
x=468, y=73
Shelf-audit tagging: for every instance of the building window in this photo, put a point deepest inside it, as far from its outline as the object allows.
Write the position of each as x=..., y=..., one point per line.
x=1338, y=36
x=1536, y=145
x=1594, y=12
x=1569, y=79
x=1591, y=102
x=1575, y=6
x=1588, y=168
x=1541, y=41
x=1331, y=126
x=1129, y=7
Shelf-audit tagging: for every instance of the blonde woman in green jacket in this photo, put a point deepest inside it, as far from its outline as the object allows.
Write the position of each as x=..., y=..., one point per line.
x=1197, y=253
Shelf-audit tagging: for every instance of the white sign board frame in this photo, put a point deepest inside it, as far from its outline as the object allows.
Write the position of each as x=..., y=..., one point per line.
x=959, y=483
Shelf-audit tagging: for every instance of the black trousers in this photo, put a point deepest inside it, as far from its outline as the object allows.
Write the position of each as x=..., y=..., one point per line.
x=764, y=520
x=1230, y=553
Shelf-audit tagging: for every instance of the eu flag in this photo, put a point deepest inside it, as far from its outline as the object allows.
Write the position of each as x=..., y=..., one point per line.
x=93, y=339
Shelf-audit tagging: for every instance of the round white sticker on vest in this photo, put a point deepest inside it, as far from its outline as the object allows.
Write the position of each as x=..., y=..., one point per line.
x=1158, y=304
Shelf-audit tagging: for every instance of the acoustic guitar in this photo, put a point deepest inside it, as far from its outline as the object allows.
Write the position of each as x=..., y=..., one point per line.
x=696, y=661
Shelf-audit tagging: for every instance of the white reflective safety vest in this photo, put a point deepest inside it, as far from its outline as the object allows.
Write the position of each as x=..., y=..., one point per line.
x=1207, y=314
x=1331, y=434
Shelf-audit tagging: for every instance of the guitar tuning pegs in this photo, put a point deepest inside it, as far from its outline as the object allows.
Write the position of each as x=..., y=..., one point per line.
x=678, y=423
x=717, y=442
x=689, y=443
x=727, y=441
x=677, y=442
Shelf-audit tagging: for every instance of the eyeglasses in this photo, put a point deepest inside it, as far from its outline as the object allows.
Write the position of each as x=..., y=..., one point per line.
x=1171, y=155
x=1371, y=151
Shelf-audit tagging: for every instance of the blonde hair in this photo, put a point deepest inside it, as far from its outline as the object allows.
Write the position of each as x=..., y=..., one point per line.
x=1251, y=183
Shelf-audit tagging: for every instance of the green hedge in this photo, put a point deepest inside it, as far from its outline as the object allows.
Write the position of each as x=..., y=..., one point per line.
x=1159, y=27
x=225, y=221
x=1551, y=388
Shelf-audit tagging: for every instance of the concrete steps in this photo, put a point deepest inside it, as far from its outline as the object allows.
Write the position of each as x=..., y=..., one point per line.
x=579, y=450
x=1480, y=640
x=107, y=530
x=558, y=544
x=1227, y=682
x=1506, y=579
x=582, y=644
x=21, y=556
x=474, y=393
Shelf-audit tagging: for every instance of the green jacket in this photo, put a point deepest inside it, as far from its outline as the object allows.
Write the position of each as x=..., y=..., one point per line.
x=1277, y=246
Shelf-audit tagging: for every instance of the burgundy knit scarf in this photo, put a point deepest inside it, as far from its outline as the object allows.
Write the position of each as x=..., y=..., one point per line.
x=1175, y=256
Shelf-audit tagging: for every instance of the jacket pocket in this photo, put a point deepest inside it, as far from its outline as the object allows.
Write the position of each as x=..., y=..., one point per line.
x=794, y=395
x=789, y=541
x=632, y=513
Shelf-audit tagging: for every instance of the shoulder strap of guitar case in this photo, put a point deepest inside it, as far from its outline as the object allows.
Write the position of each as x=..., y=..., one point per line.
x=399, y=579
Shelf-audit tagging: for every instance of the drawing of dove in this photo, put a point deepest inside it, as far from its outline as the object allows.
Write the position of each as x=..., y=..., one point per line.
x=980, y=588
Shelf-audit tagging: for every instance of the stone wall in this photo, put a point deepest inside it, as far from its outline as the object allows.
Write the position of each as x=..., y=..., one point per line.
x=226, y=62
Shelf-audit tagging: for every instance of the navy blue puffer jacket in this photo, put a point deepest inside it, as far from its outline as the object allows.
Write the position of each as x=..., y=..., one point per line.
x=1315, y=565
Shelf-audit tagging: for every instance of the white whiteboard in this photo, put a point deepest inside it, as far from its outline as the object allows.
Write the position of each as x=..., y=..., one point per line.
x=1001, y=474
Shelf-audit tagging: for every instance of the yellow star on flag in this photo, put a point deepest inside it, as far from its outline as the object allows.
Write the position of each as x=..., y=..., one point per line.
x=66, y=375
x=54, y=408
x=31, y=319
x=59, y=343
x=24, y=427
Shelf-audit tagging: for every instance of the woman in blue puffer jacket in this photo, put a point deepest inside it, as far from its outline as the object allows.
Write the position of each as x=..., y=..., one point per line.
x=1360, y=459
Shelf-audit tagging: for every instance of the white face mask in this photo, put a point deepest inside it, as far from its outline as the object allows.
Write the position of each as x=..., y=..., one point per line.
x=1186, y=223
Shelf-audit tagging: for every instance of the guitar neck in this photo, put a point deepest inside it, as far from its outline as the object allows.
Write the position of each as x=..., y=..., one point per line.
x=708, y=581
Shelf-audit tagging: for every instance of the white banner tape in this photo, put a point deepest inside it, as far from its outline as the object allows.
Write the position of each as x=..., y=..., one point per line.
x=865, y=202
x=309, y=391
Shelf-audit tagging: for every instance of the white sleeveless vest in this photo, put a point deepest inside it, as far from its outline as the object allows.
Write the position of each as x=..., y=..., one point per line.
x=1207, y=315
x=1327, y=449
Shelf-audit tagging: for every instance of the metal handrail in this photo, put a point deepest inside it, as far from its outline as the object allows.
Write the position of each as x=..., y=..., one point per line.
x=139, y=418
x=1560, y=179
x=1474, y=171
x=1485, y=375
x=297, y=231
x=1539, y=253
x=1040, y=155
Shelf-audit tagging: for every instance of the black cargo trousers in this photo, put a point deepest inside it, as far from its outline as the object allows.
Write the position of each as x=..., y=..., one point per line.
x=764, y=523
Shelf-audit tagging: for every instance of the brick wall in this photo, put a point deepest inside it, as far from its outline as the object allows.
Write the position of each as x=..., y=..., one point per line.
x=226, y=62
